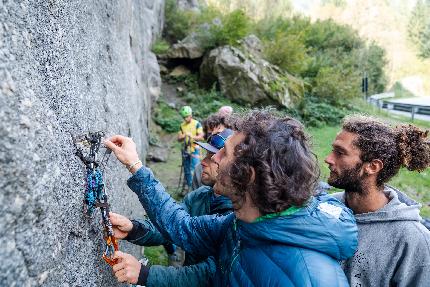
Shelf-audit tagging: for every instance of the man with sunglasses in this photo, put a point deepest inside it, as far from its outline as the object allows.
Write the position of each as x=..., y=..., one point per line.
x=214, y=124
x=197, y=270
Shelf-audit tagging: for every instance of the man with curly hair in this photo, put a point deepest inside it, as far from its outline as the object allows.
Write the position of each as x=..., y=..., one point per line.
x=280, y=234
x=393, y=247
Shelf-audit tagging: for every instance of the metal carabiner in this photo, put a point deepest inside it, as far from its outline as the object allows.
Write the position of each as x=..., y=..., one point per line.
x=111, y=247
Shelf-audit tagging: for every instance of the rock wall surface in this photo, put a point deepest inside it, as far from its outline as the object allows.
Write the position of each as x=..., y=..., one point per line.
x=68, y=67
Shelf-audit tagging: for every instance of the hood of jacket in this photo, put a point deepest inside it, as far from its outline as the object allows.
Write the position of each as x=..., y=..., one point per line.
x=324, y=224
x=399, y=208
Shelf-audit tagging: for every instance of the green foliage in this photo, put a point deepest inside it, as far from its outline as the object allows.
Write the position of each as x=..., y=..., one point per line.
x=156, y=255
x=160, y=47
x=176, y=23
x=375, y=63
x=225, y=30
x=336, y=86
x=288, y=52
x=195, y=97
x=315, y=113
x=211, y=27
x=329, y=57
x=324, y=35
x=167, y=117
x=425, y=43
x=419, y=27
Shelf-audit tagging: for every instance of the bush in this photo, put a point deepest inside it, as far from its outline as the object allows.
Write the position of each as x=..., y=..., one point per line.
x=316, y=113
x=336, y=85
x=288, y=52
x=419, y=28
x=167, y=117
x=195, y=96
x=176, y=22
x=375, y=63
x=160, y=47
x=225, y=30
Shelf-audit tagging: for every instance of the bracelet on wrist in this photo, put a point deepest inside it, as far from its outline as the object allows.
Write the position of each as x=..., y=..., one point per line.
x=133, y=165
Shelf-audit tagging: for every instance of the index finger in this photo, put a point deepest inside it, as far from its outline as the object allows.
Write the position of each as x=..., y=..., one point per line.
x=117, y=139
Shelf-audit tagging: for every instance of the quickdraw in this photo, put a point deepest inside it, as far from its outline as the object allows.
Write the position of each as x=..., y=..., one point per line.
x=87, y=147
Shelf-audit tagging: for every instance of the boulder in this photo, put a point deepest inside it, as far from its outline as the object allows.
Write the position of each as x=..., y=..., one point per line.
x=180, y=70
x=157, y=154
x=188, y=48
x=245, y=77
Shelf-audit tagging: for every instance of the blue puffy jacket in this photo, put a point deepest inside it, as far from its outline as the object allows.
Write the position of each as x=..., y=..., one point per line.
x=197, y=270
x=296, y=249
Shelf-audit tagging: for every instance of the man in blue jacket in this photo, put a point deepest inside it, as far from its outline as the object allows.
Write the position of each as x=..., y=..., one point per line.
x=198, y=270
x=279, y=234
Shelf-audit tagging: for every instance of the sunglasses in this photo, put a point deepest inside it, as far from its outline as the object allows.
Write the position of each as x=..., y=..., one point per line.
x=217, y=141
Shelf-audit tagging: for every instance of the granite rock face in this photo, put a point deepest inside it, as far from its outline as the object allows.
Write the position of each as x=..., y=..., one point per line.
x=68, y=67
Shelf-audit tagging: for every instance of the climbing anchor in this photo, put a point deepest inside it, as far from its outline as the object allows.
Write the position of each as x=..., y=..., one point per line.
x=87, y=147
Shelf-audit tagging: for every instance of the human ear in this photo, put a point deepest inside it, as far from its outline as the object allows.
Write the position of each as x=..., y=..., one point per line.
x=374, y=166
x=252, y=175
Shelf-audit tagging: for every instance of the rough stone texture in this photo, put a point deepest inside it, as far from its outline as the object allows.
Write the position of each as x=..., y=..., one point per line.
x=245, y=77
x=189, y=48
x=68, y=67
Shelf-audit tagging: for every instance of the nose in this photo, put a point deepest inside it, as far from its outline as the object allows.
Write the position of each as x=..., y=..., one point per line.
x=329, y=159
x=216, y=157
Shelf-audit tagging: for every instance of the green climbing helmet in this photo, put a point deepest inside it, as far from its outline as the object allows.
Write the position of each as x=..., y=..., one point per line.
x=185, y=111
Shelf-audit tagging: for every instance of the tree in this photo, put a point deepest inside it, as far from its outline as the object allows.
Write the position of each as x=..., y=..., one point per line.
x=419, y=27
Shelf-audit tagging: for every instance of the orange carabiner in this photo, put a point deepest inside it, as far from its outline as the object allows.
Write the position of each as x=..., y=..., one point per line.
x=111, y=247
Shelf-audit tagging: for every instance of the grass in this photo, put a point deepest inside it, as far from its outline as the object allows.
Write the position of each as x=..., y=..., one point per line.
x=168, y=173
x=416, y=185
x=156, y=255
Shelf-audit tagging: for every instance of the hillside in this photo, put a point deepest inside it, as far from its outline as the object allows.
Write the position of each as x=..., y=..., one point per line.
x=384, y=22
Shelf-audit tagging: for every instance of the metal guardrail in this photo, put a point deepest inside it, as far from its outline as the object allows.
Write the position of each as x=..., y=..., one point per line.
x=403, y=107
x=413, y=109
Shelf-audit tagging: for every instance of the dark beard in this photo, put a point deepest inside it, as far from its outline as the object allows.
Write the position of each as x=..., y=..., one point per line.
x=350, y=180
x=222, y=185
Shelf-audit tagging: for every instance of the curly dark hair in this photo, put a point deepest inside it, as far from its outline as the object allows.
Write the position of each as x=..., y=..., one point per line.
x=400, y=146
x=213, y=121
x=278, y=150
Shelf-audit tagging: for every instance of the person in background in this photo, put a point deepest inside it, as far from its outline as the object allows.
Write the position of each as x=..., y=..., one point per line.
x=190, y=131
x=197, y=270
x=225, y=111
x=393, y=246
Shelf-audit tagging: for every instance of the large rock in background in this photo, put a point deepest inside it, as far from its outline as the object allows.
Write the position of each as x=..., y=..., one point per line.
x=68, y=67
x=245, y=77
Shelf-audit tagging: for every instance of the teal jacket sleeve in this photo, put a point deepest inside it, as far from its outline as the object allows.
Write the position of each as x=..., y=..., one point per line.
x=199, y=274
x=198, y=235
x=144, y=233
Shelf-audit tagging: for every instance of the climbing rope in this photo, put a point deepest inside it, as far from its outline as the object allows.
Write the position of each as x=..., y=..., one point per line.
x=87, y=147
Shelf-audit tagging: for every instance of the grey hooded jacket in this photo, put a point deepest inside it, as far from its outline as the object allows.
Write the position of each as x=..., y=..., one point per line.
x=393, y=246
